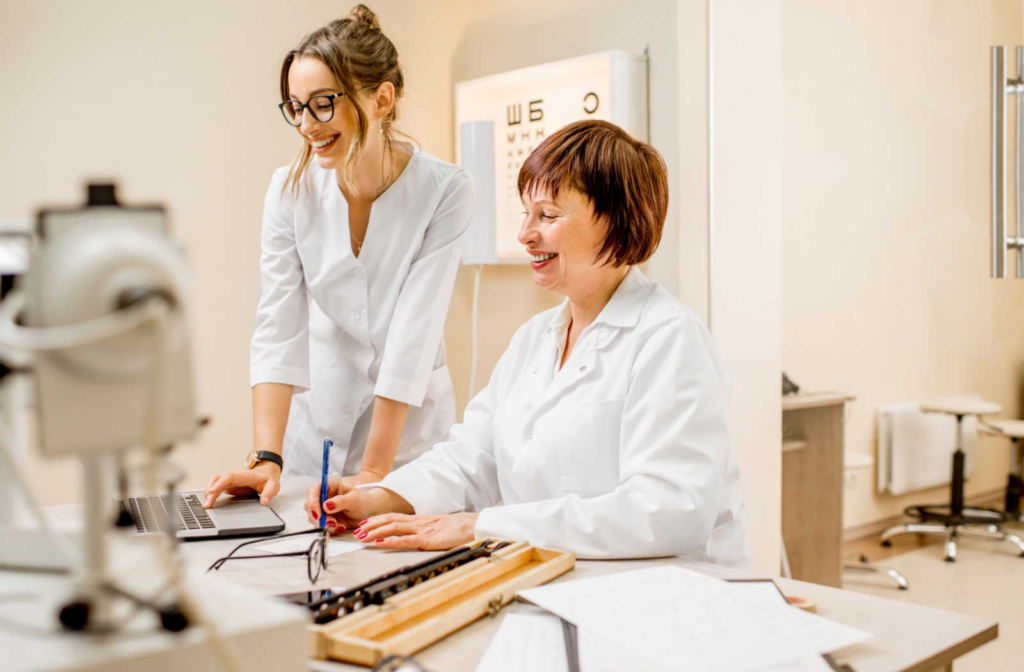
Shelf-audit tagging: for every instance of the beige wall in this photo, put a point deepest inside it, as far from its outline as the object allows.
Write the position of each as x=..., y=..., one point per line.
x=178, y=103
x=886, y=289
x=746, y=253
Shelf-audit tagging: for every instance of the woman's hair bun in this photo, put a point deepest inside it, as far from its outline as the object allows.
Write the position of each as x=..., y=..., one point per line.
x=364, y=14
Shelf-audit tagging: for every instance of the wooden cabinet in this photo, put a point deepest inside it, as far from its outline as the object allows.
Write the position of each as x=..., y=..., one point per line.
x=812, y=486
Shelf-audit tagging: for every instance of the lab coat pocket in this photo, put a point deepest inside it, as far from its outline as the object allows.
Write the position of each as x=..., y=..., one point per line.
x=588, y=454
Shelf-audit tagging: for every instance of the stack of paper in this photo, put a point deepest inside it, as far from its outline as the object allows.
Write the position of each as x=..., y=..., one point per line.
x=668, y=618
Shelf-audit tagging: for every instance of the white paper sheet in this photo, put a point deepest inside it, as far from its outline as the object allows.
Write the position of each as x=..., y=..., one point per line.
x=678, y=619
x=766, y=593
x=297, y=544
x=526, y=642
x=536, y=643
x=812, y=663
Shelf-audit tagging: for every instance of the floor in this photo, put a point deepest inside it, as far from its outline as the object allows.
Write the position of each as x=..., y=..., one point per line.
x=987, y=580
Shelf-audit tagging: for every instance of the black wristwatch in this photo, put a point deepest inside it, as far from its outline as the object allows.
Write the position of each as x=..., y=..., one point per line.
x=257, y=456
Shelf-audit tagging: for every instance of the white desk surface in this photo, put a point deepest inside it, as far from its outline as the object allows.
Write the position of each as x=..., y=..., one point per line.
x=1010, y=428
x=907, y=637
x=961, y=406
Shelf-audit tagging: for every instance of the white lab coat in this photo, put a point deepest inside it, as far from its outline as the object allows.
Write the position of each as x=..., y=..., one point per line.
x=344, y=329
x=622, y=453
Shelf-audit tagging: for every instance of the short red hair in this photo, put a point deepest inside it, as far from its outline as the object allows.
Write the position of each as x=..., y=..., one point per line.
x=624, y=179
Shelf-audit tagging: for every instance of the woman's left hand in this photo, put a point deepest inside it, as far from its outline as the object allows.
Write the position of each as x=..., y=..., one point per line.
x=424, y=533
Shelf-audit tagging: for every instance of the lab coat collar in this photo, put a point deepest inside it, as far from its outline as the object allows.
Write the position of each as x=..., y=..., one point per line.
x=622, y=310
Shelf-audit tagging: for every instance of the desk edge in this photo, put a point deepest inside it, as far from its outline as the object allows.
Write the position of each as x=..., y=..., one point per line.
x=954, y=652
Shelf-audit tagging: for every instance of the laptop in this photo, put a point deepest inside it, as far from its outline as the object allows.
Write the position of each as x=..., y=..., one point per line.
x=230, y=516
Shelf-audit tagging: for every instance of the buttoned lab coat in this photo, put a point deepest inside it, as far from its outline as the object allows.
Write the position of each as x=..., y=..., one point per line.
x=623, y=452
x=344, y=329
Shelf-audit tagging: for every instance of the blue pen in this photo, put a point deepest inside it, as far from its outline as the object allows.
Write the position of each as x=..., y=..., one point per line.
x=323, y=481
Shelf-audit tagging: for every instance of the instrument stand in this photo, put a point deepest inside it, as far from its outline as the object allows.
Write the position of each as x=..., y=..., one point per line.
x=25, y=548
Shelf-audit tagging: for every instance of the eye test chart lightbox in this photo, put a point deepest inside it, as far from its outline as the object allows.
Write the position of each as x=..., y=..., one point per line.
x=500, y=120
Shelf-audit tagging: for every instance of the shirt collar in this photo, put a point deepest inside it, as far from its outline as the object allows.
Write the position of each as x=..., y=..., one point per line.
x=622, y=310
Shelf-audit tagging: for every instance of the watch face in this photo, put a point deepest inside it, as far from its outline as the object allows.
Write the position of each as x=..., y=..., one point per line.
x=250, y=460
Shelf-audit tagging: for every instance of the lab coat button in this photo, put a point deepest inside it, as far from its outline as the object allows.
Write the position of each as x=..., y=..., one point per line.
x=536, y=369
x=357, y=271
x=354, y=315
x=583, y=368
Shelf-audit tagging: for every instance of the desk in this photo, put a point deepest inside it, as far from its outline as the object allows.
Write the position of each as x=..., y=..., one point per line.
x=906, y=637
x=812, y=486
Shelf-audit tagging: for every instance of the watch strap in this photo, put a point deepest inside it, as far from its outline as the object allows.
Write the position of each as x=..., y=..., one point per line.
x=268, y=456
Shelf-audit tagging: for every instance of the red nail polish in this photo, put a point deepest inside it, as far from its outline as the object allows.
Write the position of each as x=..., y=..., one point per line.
x=363, y=522
x=329, y=506
x=378, y=541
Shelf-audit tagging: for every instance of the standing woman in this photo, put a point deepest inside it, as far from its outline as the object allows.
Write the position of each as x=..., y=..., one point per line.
x=362, y=237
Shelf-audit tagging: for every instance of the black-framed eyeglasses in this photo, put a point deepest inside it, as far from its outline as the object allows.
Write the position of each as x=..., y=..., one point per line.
x=316, y=554
x=321, y=106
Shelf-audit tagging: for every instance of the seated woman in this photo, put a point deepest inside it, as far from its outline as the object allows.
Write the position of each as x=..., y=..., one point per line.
x=604, y=427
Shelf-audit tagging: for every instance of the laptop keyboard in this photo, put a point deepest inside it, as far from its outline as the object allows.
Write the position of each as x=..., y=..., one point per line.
x=150, y=514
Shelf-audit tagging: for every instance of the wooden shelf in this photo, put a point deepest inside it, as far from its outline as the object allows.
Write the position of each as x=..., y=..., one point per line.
x=793, y=445
x=798, y=402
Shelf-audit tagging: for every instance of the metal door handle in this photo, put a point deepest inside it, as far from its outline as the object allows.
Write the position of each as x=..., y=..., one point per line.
x=1001, y=87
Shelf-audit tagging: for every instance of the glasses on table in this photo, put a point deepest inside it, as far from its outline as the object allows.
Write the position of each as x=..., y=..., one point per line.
x=316, y=554
x=320, y=106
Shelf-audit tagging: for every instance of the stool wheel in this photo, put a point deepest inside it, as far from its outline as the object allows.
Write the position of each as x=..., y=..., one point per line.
x=172, y=619
x=75, y=615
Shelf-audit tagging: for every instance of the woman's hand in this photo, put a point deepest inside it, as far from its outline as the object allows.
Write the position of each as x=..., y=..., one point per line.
x=345, y=504
x=424, y=533
x=264, y=478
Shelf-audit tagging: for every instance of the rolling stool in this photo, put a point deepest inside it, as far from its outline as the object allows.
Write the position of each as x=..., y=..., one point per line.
x=955, y=520
x=1014, y=429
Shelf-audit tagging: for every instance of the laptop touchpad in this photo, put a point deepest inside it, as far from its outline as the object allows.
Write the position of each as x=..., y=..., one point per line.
x=239, y=511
